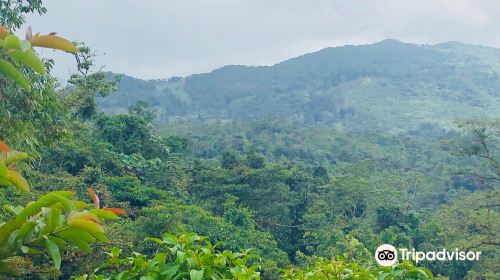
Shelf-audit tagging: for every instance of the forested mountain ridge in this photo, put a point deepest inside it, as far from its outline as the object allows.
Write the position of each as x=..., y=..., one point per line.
x=308, y=192
x=387, y=86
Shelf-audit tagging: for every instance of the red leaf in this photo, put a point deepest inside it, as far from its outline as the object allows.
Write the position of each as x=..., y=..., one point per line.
x=117, y=211
x=4, y=147
x=94, y=197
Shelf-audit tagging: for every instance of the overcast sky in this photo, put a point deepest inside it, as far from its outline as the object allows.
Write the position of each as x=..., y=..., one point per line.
x=162, y=38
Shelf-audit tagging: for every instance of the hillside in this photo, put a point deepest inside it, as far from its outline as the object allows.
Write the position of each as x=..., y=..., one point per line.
x=388, y=86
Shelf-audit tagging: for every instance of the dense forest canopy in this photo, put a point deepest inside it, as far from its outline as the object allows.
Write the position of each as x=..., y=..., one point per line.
x=388, y=86
x=294, y=171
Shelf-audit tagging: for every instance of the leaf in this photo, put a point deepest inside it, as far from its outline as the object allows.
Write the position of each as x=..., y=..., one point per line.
x=25, y=229
x=85, y=224
x=115, y=252
x=5, y=183
x=30, y=59
x=81, y=205
x=196, y=274
x=100, y=236
x=84, y=215
x=68, y=204
x=53, y=222
x=156, y=240
x=117, y=211
x=18, y=180
x=9, y=70
x=13, y=156
x=77, y=237
x=3, y=170
x=104, y=214
x=53, y=42
x=94, y=198
x=30, y=210
x=53, y=252
x=11, y=42
x=3, y=32
x=170, y=270
x=61, y=243
x=4, y=147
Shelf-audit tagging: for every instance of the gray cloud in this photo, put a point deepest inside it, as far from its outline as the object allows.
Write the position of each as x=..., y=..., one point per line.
x=159, y=39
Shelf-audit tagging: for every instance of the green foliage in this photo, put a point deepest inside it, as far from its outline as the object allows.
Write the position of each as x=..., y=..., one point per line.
x=335, y=169
x=143, y=110
x=20, y=51
x=229, y=160
x=33, y=114
x=53, y=222
x=14, y=11
x=180, y=257
x=342, y=269
x=176, y=217
x=131, y=134
x=388, y=86
x=87, y=84
x=45, y=226
x=130, y=189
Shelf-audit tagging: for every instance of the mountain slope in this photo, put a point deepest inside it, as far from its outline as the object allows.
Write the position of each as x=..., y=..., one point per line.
x=389, y=86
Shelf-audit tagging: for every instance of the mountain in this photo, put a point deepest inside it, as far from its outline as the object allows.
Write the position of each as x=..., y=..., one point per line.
x=389, y=86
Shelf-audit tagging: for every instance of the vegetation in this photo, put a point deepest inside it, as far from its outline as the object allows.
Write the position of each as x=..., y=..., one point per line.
x=309, y=194
x=389, y=87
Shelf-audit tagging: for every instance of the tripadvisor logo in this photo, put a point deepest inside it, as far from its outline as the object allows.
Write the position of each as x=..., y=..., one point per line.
x=387, y=255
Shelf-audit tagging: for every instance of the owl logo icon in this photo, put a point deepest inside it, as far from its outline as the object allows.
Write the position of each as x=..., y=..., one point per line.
x=386, y=255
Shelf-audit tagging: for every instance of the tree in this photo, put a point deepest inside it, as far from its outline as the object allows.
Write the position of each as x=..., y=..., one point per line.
x=47, y=225
x=480, y=141
x=143, y=109
x=229, y=160
x=13, y=11
x=87, y=84
x=31, y=114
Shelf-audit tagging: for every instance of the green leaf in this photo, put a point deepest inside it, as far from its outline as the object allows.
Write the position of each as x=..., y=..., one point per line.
x=72, y=236
x=18, y=180
x=115, y=252
x=3, y=169
x=104, y=214
x=11, y=42
x=30, y=59
x=5, y=183
x=14, y=156
x=53, y=252
x=170, y=270
x=9, y=70
x=31, y=209
x=25, y=229
x=53, y=221
x=196, y=274
x=61, y=243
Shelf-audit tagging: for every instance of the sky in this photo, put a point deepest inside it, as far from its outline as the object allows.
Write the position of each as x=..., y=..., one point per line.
x=157, y=39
